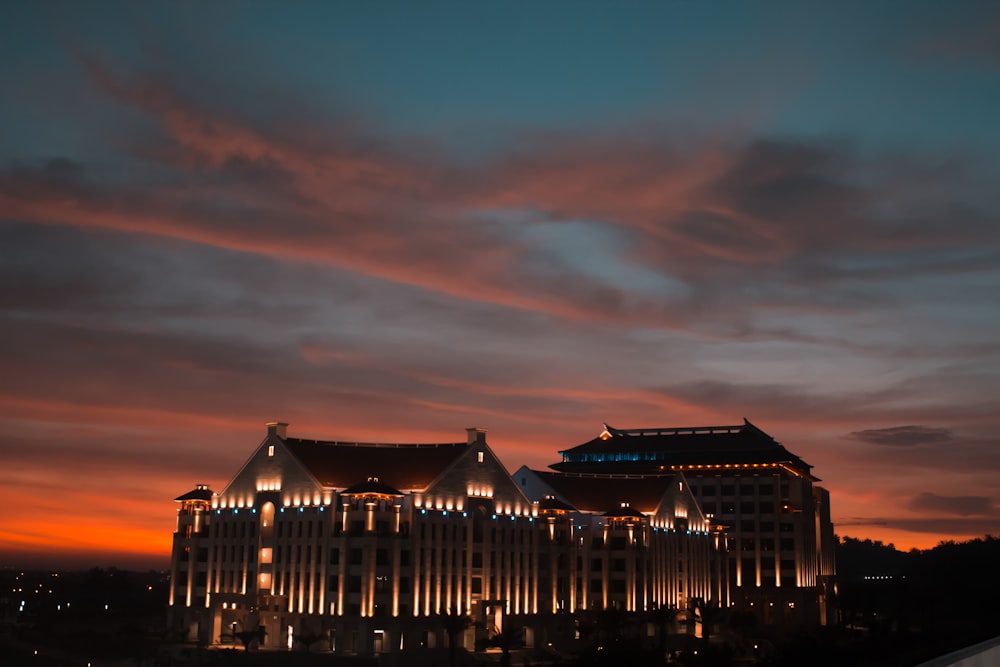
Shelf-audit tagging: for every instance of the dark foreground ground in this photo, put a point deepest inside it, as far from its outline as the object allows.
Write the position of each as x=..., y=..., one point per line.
x=897, y=609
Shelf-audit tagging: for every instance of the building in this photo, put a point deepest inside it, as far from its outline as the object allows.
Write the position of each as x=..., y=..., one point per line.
x=776, y=517
x=364, y=546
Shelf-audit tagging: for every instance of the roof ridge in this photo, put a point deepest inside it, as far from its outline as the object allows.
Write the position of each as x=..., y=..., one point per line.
x=339, y=443
x=678, y=430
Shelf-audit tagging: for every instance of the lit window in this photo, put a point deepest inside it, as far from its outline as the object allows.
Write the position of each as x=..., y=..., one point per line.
x=481, y=456
x=270, y=450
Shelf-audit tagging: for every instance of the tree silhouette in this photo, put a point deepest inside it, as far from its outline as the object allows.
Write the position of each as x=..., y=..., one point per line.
x=709, y=614
x=506, y=641
x=246, y=637
x=664, y=616
x=453, y=623
x=307, y=639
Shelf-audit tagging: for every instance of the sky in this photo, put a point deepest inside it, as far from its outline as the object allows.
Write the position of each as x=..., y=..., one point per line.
x=392, y=221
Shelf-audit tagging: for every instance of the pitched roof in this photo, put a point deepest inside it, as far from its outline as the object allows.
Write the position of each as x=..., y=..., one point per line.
x=373, y=487
x=200, y=492
x=403, y=466
x=647, y=449
x=552, y=504
x=625, y=511
x=600, y=493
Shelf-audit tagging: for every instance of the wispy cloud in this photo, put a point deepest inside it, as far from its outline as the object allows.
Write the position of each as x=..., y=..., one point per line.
x=902, y=436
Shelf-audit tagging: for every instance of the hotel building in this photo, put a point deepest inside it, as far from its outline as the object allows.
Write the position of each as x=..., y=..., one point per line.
x=365, y=545
x=766, y=499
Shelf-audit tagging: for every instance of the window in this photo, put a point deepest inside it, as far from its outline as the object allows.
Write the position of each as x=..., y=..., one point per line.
x=270, y=450
x=746, y=508
x=709, y=491
x=480, y=456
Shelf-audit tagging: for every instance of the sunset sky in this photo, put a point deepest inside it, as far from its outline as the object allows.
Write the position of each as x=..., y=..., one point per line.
x=390, y=222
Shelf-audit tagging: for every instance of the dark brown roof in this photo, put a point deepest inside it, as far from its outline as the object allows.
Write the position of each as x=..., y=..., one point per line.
x=623, y=512
x=642, y=450
x=372, y=487
x=342, y=464
x=552, y=504
x=201, y=492
x=598, y=493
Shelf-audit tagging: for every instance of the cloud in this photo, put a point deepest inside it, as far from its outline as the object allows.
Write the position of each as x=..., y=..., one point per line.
x=959, y=505
x=719, y=225
x=970, y=36
x=903, y=436
x=951, y=526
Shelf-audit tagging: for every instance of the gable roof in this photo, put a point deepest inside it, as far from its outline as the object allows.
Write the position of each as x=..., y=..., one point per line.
x=601, y=493
x=401, y=466
x=648, y=449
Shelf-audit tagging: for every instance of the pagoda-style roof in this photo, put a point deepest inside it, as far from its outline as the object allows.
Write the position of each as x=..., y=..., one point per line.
x=593, y=493
x=552, y=504
x=647, y=450
x=200, y=492
x=399, y=466
x=372, y=487
x=624, y=511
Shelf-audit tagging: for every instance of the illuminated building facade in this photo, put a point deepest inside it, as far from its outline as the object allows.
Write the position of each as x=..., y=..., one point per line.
x=776, y=517
x=363, y=545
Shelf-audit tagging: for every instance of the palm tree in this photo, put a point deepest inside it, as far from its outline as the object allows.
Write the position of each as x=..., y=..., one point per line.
x=453, y=623
x=505, y=641
x=709, y=613
x=246, y=637
x=664, y=616
x=307, y=639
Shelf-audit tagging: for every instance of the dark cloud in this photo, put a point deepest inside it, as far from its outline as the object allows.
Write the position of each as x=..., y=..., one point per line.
x=861, y=521
x=970, y=35
x=903, y=436
x=958, y=505
x=957, y=527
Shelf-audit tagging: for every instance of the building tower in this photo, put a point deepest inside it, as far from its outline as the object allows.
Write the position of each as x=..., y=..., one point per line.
x=189, y=561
